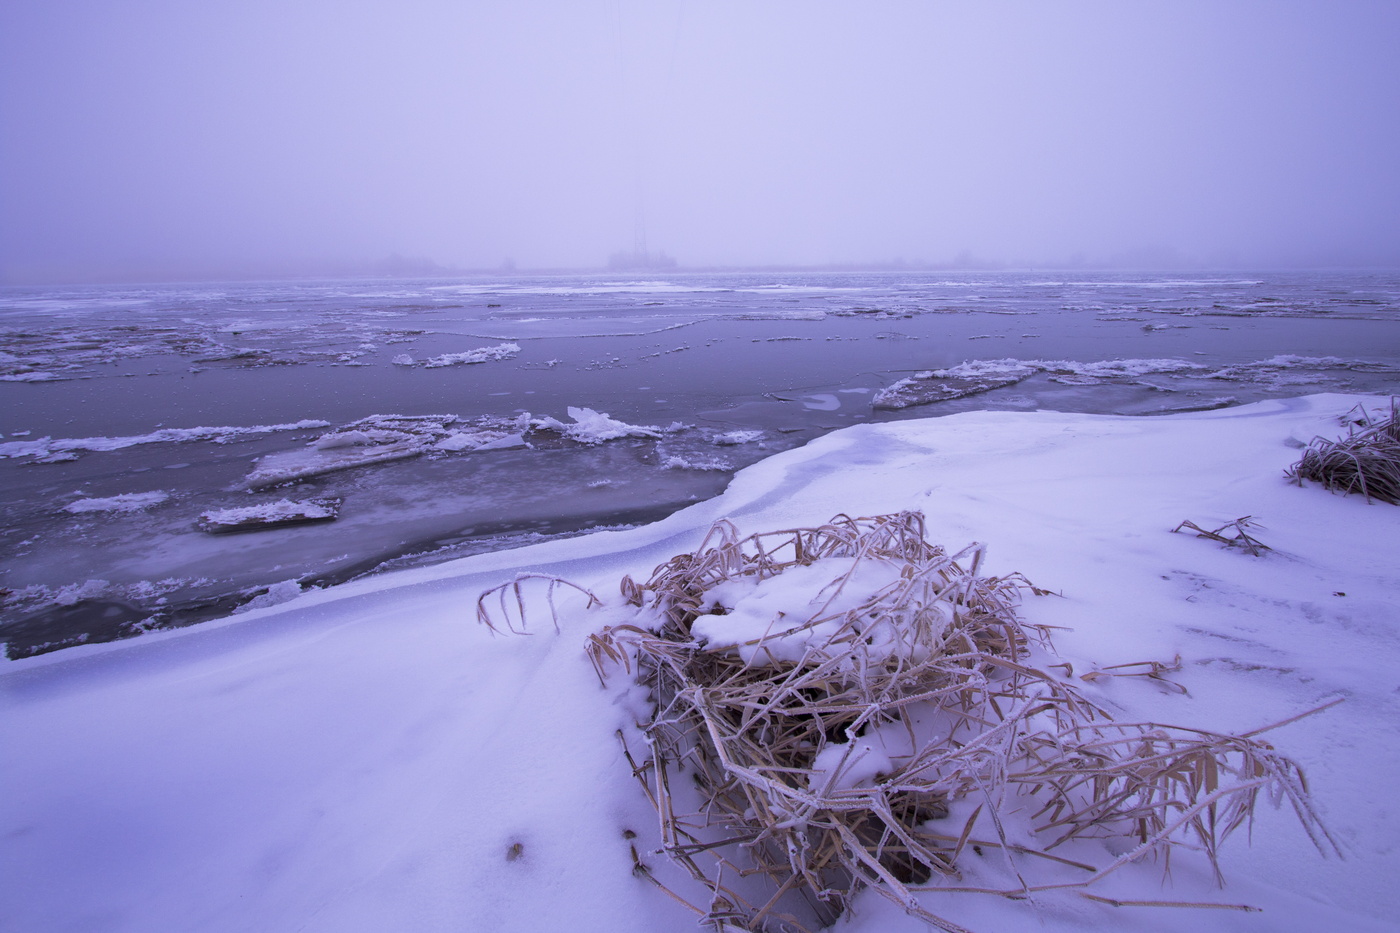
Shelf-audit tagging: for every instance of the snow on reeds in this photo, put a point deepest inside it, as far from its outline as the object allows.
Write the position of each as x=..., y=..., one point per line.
x=1367, y=460
x=850, y=706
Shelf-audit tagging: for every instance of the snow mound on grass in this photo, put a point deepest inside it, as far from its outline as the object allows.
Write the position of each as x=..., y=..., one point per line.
x=768, y=619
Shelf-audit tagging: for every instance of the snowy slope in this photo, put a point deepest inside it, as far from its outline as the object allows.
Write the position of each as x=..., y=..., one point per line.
x=370, y=758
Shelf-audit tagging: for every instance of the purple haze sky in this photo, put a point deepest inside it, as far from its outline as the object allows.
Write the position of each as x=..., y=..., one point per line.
x=177, y=138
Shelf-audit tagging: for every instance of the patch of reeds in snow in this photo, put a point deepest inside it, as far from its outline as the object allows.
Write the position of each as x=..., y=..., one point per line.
x=850, y=706
x=1367, y=460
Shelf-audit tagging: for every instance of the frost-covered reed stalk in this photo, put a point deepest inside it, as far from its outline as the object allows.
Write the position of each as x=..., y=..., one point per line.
x=1367, y=460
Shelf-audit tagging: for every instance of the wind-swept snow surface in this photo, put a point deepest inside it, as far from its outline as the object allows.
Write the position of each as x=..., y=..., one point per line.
x=369, y=757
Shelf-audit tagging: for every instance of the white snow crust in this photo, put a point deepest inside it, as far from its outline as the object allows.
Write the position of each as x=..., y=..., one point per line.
x=369, y=758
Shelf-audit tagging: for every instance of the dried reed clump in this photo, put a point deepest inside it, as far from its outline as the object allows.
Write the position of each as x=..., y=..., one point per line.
x=794, y=769
x=1367, y=460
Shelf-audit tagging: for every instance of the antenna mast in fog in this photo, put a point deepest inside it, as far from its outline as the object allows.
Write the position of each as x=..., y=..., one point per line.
x=640, y=258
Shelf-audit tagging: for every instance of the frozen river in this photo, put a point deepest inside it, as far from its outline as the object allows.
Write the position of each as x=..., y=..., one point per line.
x=449, y=417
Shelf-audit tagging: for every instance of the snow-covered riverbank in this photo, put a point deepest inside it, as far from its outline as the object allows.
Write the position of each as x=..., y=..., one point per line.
x=369, y=757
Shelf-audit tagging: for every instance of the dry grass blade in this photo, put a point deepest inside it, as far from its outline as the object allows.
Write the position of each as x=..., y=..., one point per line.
x=792, y=769
x=1153, y=670
x=1367, y=460
x=1241, y=539
x=511, y=601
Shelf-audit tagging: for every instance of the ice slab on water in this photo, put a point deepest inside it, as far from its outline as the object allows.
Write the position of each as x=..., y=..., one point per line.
x=593, y=427
x=481, y=440
x=735, y=438
x=977, y=376
x=503, y=351
x=385, y=438
x=126, y=502
x=67, y=448
x=269, y=515
x=292, y=465
x=957, y=382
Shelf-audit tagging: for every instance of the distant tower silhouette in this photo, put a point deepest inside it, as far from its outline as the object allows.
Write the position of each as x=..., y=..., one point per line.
x=640, y=259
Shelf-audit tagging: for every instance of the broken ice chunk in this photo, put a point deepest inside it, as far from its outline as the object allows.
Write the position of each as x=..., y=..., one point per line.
x=277, y=514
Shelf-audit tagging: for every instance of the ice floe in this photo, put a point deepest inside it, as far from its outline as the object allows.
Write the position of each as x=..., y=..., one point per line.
x=269, y=515
x=275, y=595
x=32, y=376
x=481, y=440
x=126, y=502
x=52, y=449
x=594, y=427
x=385, y=438
x=942, y=384
x=823, y=401
x=735, y=438
x=503, y=351
x=292, y=465
x=977, y=376
x=704, y=464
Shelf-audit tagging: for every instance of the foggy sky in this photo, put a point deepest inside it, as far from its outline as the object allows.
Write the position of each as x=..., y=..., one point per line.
x=165, y=137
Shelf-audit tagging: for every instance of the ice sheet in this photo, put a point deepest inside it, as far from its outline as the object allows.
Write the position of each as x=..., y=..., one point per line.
x=778, y=357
